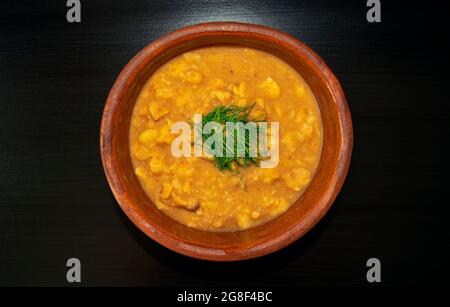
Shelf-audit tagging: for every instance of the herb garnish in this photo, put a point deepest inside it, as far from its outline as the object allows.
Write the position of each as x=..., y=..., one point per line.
x=231, y=114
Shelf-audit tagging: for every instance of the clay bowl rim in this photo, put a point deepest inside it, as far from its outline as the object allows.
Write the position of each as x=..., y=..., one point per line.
x=216, y=29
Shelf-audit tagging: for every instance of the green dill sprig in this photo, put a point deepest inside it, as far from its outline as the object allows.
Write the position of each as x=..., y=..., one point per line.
x=231, y=114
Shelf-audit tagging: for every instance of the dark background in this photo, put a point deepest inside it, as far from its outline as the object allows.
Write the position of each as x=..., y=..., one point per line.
x=55, y=202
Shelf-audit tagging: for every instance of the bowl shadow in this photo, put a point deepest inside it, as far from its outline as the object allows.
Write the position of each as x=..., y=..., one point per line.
x=235, y=271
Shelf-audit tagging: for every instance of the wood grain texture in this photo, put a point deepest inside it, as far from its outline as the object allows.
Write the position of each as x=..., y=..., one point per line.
x=55, y=202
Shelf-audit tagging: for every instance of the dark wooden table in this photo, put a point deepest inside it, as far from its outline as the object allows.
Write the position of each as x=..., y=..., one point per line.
x=55, y=202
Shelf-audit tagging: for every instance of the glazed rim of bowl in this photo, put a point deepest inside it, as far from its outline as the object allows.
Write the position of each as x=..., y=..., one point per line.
x=268, y=237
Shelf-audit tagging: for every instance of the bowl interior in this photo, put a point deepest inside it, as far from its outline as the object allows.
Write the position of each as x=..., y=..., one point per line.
x=298, y=219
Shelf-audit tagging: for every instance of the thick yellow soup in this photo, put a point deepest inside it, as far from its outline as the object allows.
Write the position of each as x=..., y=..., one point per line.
x=202, y=192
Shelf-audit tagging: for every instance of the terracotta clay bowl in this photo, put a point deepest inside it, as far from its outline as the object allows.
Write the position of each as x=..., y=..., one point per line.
x=258, y=241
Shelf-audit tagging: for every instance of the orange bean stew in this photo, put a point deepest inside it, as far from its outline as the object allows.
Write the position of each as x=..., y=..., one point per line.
x=194, y=190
